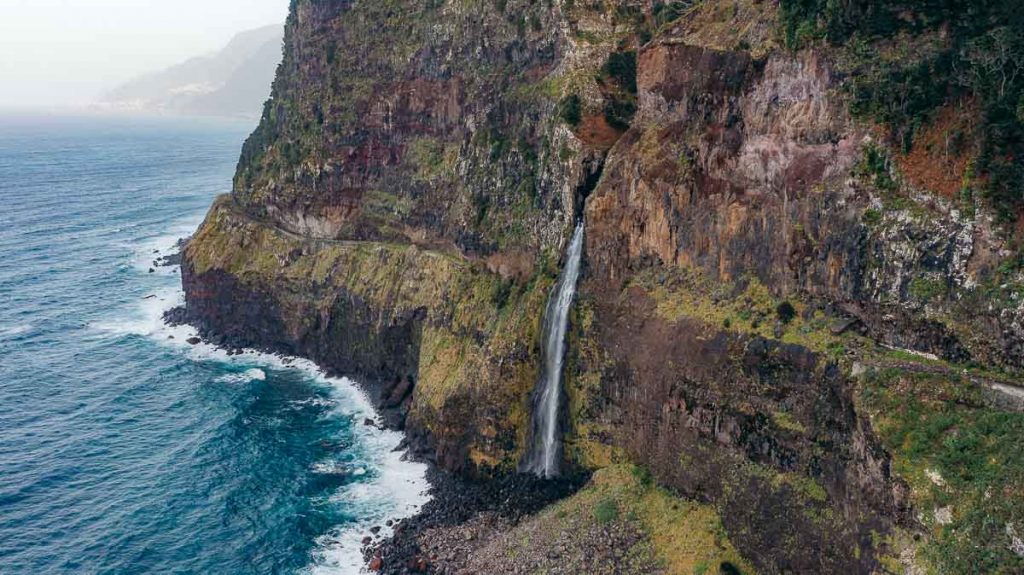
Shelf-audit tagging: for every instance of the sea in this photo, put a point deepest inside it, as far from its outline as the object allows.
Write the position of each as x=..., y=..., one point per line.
x=123, y=449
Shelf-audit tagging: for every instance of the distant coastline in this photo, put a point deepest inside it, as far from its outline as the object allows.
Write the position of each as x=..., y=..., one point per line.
x=232, y=82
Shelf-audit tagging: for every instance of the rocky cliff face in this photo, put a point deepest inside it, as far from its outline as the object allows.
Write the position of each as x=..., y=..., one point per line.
x=420, y=122
x=755, y=260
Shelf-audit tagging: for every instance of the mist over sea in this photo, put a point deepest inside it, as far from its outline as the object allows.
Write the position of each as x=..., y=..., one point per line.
x=123, y=449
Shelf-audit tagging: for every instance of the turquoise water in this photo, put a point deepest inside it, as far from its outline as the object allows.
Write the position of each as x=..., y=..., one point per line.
x=122, y=448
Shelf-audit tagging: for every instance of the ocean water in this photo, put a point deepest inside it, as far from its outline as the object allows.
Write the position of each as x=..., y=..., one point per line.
x=123, y=450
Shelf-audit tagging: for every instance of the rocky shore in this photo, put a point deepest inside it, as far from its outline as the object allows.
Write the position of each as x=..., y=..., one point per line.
x=172, y=259
x=424, y=543
x=463, y=514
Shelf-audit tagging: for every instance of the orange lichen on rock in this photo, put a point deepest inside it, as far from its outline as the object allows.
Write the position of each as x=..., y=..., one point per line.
x=941, y=152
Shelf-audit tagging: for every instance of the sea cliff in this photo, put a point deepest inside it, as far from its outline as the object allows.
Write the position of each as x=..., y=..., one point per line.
x=796, y=342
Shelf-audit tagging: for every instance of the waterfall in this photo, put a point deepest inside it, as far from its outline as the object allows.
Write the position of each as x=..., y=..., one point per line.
x=545, y=451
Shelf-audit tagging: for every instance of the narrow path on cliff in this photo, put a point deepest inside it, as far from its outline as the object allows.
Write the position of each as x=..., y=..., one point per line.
x=228, y=201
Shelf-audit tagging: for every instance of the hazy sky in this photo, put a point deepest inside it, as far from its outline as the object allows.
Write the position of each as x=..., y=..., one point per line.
x=66, y=52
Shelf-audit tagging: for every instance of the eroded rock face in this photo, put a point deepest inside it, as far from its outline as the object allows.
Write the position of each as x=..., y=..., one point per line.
x=749, y=170
x=733, y=167
x=416, y=326
x=753, y=168
x=765, y=430
x=413, y=121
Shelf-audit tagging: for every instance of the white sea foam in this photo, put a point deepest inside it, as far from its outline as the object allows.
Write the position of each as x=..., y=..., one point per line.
x=147, y=318
x=253, y=374
x=163, y=245
x=312, y=402
x=9, y=331
x=330, y=467
x=390, y=486
x=396, y=489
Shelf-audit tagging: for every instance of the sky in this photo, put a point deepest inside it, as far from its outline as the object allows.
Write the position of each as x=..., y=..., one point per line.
x=57, y=53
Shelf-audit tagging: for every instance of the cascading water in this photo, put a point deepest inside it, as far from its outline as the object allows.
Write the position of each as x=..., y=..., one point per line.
x=545, y=452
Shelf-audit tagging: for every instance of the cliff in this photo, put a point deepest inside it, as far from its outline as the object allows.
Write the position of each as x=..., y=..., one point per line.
x=793, y=316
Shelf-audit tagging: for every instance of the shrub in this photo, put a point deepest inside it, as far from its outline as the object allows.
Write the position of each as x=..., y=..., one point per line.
x=500, y=292
x=727, y=568
x=619, y=112
x=570, y=110
x=875, y=167
x=871, y=217
x=621, y=67
x=786, y=312
x=665, y=12
x=606, y=511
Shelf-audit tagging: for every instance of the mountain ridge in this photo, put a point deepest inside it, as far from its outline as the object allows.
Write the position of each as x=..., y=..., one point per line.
x=233, y=81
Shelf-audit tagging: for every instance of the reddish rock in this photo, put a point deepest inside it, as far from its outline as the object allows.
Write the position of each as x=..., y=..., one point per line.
x=418, y=565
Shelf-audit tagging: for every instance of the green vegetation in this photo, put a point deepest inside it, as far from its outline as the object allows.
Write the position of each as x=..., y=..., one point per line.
x=927, y=288
x=683, y=535
x=744, y=306
x=621, y=67
x=648, y=24
x=667, y=12
x=432, y=158
x=908, y=59
x=958, y=456
x=972, y=441
x=500, y=292
x=619, y=112
x=620, y=73
x=876, y=167
x=785, y=420
x=606, y=511
x=785, y=311
x=871, y=218
x=570, y=110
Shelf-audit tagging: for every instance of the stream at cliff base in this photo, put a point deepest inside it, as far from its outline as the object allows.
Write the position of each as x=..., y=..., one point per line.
x=123, y=449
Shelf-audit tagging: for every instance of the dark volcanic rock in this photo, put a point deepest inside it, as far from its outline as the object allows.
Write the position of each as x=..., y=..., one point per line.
x=176, y=316
x=456, y=501
x=169, y=260
x=174, y=258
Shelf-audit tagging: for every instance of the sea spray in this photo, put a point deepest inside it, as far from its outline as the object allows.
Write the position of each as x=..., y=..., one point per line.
x=385, y=484
x=114, y=428
x=545, y=451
